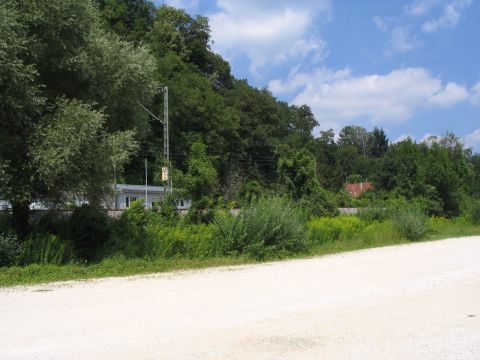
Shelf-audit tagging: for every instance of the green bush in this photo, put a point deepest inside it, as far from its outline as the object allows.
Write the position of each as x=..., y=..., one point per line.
x=45, y=249
x=267, y=227
x=230, y=234
x=10, y=249
x=324, y=230
x=202, y=211
x=410, y=220
x=5, y=222
x=319, y=203
x=52, y=222
x=129, y=236
x=193, y=241
x=472, y=210
x=373, y=212
x=382, y=233
x=88, y=230
x=166, y=214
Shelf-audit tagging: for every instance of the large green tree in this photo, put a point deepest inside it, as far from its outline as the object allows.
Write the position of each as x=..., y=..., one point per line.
x=68, y=96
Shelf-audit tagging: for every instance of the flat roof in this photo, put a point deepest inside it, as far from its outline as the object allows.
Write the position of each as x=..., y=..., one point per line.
x=140, y=188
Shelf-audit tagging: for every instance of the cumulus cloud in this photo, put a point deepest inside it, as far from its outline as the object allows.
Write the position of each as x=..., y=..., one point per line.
x=267, y=31
x=380, y=23
x=475, y=94
x=421, y=7
x=450, y=95
x=402, y=41
x=183, y=4
x=451, y=15
x=473, y=140
x=404, y=137
x=339, y=97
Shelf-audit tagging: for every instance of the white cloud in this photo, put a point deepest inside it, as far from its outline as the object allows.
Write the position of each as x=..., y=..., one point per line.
x=404, y=137
x=338, y=97
x=183, y=4
x=450, y=95
x=450, y=17
x=401, y=41
x=298, y=80
x=380, y=23
x=473, y=140
x=267, y=31
x=475, y=94
x=430, y=139
x=420, y=7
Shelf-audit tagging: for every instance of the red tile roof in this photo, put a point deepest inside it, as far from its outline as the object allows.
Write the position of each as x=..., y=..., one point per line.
x=356, y=190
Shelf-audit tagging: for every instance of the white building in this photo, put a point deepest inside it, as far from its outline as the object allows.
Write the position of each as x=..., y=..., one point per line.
x=151, y=195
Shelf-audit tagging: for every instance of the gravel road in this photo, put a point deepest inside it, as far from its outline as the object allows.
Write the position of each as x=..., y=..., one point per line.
x=418, y=301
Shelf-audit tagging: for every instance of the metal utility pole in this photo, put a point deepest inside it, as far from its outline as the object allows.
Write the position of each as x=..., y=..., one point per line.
x=166, y=170
x=166, y=141
x=146, y=183
x=114, y=185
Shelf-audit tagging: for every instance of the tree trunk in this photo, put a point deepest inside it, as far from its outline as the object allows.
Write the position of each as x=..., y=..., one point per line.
x=20, y=218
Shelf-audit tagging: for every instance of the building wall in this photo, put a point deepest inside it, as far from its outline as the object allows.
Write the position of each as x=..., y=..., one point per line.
x=122, y=198
x=152, y=197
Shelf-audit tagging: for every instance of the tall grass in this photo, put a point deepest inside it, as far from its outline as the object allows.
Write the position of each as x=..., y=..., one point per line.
x=410, y=220
x=46, y=249
x=324, y=230
x=144, y=241
x=10, y=249
x=268, y=227
x=192, y=242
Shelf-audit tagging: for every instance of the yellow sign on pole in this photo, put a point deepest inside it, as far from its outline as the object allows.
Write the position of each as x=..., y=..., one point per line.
x=164, y=173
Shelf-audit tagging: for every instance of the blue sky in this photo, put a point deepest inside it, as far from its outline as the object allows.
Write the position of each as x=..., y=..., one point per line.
x=411, y=67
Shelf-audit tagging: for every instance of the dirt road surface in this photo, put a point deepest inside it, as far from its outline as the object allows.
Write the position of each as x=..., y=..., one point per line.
x=418, y=301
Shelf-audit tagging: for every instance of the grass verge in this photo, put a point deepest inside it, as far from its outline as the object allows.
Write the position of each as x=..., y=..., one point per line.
x=373, y=235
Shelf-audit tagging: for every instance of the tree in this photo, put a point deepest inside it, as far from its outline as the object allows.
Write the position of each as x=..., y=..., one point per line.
x=21, y=104
x=347, y=157
x=188, y=37
x=377, y=143
x=131, y=19
x=328, y=168
x=475, y=184
x=296, y=170
x=355, y=136
x=409, y=174
x=201, y=177
x=73, y=155
x=54, y=53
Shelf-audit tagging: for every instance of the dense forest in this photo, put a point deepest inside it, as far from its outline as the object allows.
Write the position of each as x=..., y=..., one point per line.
x=72, y=74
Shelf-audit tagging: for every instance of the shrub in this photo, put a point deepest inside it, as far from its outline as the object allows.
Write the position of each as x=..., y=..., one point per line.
x=45, y=249
x=193, y=241
x=230, y=234
x=10, y=249
x=88, y=230
x=323, y=230
x=373, y=212
x=267, y=227
x=319, y=203
x=410, y=220
x=129, y=236
x=166, y=214
x=472, y=211
x=201, y=211
x=5, y=222
x=52, y=222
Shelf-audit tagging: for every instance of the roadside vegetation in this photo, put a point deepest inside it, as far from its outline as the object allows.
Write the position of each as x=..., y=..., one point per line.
x=72, y=74
x=148, y=241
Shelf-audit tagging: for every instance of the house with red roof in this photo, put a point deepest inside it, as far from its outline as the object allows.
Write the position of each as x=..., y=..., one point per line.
x=355, y=190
